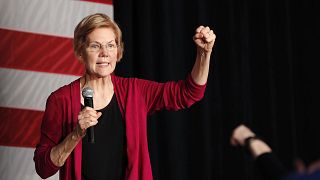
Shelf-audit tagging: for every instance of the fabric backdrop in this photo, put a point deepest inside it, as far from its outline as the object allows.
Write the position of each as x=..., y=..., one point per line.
x=263, y=73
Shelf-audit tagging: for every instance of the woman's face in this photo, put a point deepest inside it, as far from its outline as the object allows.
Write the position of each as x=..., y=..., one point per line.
x=100, y=57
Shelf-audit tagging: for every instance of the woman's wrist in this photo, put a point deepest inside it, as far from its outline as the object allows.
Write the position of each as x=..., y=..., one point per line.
x=247, y=141
x=256, y=146
x=78, y=134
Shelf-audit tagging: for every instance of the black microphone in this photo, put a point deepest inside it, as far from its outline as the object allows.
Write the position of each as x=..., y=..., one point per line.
x=87, y=94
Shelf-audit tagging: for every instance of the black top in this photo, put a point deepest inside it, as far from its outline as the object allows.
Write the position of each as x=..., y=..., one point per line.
x=106, y=158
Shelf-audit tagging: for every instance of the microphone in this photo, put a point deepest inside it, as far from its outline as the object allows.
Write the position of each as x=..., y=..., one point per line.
x=87, y=94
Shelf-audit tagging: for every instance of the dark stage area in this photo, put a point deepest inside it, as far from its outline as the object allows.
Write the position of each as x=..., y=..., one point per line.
x=263, y=73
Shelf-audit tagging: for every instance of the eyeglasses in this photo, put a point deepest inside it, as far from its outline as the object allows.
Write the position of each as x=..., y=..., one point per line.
x=96, y=46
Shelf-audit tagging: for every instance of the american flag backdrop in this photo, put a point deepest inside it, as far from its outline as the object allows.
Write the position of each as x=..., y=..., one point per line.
x=36, y=58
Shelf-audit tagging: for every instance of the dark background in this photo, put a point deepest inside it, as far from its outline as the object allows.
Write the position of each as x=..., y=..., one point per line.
x=263, y=73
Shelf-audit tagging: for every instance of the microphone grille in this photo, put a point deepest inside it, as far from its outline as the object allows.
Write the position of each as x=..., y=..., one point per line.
x=87, y=92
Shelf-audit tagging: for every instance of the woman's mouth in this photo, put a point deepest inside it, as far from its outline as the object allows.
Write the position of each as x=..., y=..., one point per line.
x=103, y=64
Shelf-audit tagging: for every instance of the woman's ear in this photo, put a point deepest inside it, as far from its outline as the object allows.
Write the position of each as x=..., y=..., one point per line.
x=80, y=58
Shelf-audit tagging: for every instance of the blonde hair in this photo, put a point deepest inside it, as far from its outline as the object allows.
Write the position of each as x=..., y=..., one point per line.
x=89, y=24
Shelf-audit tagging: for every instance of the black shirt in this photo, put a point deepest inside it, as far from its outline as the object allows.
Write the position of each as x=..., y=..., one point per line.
x=106, y=158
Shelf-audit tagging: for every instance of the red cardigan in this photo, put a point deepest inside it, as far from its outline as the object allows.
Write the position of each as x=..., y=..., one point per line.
x=136, y=98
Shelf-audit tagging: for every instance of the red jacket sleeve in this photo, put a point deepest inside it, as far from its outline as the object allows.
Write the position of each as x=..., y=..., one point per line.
x=171, y=95
x=51, y=130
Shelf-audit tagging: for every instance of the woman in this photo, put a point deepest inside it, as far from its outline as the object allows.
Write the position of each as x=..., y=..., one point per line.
x=121, y=106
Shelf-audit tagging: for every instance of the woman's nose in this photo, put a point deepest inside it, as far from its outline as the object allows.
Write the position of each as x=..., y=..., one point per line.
x=104, y=51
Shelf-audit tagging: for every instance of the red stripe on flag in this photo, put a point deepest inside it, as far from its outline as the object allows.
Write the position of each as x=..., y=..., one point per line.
x=100, y=1
x=20, y=127
x=35, y=52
